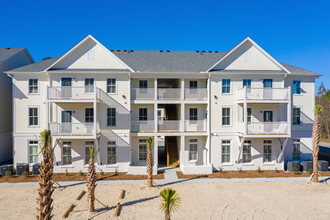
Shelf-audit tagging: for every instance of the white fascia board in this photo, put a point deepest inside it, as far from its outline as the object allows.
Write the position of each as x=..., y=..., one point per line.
x=257, y=46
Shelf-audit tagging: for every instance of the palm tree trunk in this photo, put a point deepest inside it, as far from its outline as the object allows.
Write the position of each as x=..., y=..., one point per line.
x=91, y=179
x=45, y=190
x=149, y=168
x=167, y=217
x=316, y=140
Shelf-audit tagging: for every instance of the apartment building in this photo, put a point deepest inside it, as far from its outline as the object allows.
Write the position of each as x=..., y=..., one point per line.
x=10, y=58
x=205, y=109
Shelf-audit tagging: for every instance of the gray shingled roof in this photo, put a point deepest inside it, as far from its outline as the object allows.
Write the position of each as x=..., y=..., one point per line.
x=166, y=61
x=6, y=53
x=169, y=61
x=36, y=67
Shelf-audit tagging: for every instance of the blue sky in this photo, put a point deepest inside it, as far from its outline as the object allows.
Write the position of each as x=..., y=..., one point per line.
x=294, y=32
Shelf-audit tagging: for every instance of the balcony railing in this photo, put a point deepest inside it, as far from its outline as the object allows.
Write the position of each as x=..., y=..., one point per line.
x=148, y=93
x=197, y=125
x=169, y=125
x=263, y=94
x=69, y=92
x=79, y=129
x=169, y=93
x=265, y=128
x=200, y=93
x=143, y=126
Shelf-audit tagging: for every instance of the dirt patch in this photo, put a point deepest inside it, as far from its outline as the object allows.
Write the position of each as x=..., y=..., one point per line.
x=77, y=177
x=248, y=174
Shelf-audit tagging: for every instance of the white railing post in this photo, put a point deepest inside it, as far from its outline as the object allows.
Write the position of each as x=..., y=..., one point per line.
x=182, y=118
x=156, y=88
x=155, y=117
x=245, y=112
x=95, y=113
x=182, y=88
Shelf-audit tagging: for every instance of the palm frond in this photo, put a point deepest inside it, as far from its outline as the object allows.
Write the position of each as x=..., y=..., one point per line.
x=170, y=200
x=318, y=109
x=149, y=142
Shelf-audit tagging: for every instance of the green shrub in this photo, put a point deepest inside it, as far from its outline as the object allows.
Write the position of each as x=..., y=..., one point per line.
x=276, y=170
x=259, y=170
x=66, y=172
x=25, y=173
x=116, y=172
x=295, y=170
x=8, y=173
x=81, y=173
x=310, y=171
x=220, y=170
x=240, y=169
x=101, y=172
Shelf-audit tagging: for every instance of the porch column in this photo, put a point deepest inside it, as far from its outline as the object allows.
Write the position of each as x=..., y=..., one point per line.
x=289, y=114
x=47, y=115
x=95, y=116
x=156, y=88
x=155, y=151
x=182, y=143
x=245, y=112
x=182, y=88
x=156, y=117
x=182, y=117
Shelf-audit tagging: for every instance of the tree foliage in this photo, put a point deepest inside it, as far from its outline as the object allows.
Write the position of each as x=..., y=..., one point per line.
x=323, y=99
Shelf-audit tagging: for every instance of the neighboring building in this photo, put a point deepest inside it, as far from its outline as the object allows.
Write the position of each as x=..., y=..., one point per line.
x=10, y=58
x=205, y=109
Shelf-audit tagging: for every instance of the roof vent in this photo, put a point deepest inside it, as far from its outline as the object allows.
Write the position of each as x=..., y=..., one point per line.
x=215, y=51
x=112, y=50
x=203, y=51
x=118, y=50
x=161, y=51
x=8, y=48
x=125, y=50
x=132, y=50
x=168, y=51
x=210, y=51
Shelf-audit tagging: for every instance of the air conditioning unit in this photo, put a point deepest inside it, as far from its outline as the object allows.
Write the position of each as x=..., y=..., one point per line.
x=5, y=168
x=293, y=164
x=323, y=165
x=35, y=168
x=21, y=168
x=307, y=165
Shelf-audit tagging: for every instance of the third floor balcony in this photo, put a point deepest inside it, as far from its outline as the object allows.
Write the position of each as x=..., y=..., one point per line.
x=263, y=94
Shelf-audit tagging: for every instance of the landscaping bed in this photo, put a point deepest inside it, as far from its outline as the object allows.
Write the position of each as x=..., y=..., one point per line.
x=248, y=174
x=77, y=177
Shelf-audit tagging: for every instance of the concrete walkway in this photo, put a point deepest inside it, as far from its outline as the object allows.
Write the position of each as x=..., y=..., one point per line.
x=170, y=179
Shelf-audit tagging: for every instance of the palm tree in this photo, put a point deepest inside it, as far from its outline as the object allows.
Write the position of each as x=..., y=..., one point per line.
x=45, y=191
x=170, y=202
x=316, y=140
x=149, y=162
x=91, y=179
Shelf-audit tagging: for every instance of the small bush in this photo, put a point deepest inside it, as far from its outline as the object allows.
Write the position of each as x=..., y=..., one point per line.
x=240, y=169
x=295, y=170
x=116, y=172
x=8, y=173
x=220, y=170
x=81, y=173
x=310, y=171
x=276, y=170
x=66, y=172
x=259, y=170
x=25, y=173
x=102, y=172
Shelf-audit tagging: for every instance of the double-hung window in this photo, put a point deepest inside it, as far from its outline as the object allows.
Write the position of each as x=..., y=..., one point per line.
x=67, y=154
x=193, y=114
x=225, y=86
x=143, y=114
x=142, y=149
x=247, y=83
x=89, y=85
x=249, y=115
x=193, y=84
x=296, y=116
x=88, y=144
x=226, y=116
x=111, y=117
x=296, y=87
x=33, y=116
x=112, y=152
x=89, y=115
x=296, y=149
x=247, y=151
x=143, y=84
x=267, y=151
x=33, y=151
x=225, y=147
x=193, y=143
x=33, y=86
x=111, y=86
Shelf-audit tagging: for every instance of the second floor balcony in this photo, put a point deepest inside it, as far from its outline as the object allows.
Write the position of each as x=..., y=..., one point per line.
x=168, y=94
x=73, y=129
x=265, y=128
x=263, y=94
x=71, y=93
x=169, y=126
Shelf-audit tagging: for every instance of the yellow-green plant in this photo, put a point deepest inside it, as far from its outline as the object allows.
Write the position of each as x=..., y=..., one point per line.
x=169, y=202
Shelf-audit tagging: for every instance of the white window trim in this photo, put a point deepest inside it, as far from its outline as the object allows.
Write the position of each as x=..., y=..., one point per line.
x=66, y=165
x=72, y=79
x=37, y=93
x=142, y=80
x=86, y=162
x=246, y=56
x=66, y=110
x=301, y=87
x=115, y=146
x=189, y=113
x=271, y=156
x=230, y=89
x=147, y=113
x=251, y=163
x=85, y=115
x=139, y=149
x=243, y=82
x=28, y=116
x=85, y=85
x=196, y=149
x=28, y=151
x=106, y=85
x=267, y=110
x=193, y=81
x=301, y=110
x=231, y=115
x=106, y=117
x=90, y=55
x=230, y=154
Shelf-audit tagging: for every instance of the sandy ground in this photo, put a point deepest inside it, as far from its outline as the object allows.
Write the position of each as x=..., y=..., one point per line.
x=260, y=200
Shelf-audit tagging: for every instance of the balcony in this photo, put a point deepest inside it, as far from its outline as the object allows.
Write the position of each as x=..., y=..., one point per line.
x=198, y=125
x=143, y=126
x=169, y=125
x=72, y=129
x=71, y=93
x=265, y=128
x=263, y=94
x=168, y=94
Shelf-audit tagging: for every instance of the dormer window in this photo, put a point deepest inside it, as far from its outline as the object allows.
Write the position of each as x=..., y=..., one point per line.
x=247, y=56
x=90, y=55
